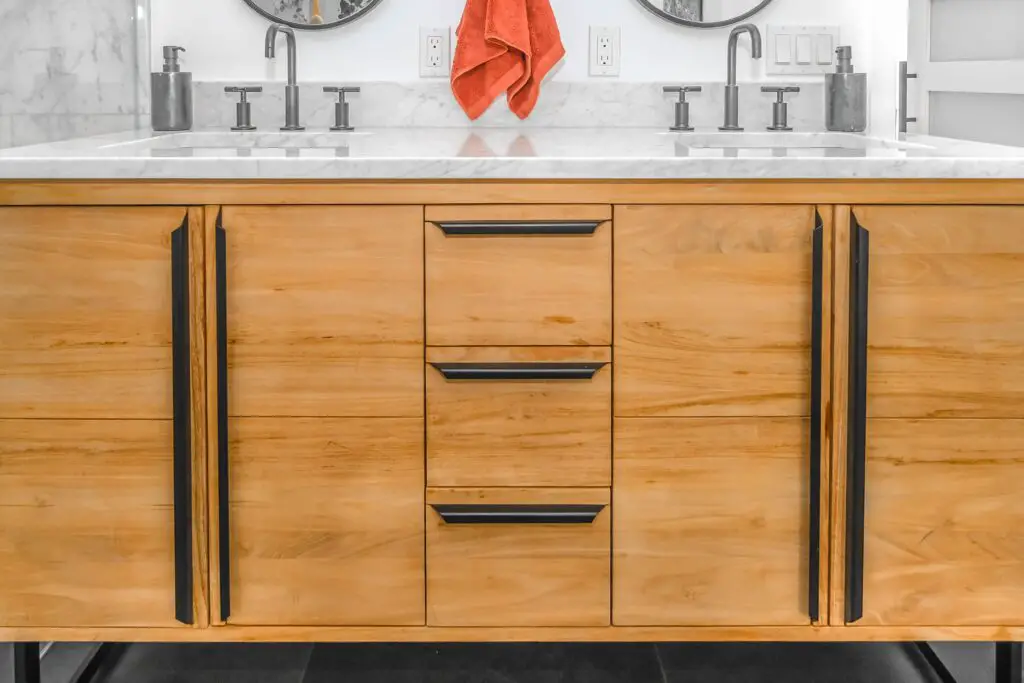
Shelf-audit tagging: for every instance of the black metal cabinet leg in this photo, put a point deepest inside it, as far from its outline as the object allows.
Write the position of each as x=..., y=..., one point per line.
x=935, y=662
x=1008, y=663
x=101, y=663
x=26, y=663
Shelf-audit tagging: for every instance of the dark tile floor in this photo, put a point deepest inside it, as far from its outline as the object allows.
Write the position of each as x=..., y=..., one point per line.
x=604, y=663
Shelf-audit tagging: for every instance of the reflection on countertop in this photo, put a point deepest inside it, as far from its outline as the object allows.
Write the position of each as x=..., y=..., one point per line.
x=508, y=153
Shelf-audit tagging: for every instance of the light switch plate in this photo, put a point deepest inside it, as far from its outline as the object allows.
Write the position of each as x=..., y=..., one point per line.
x=435, y=52
x=605, y=51
x=796, y=50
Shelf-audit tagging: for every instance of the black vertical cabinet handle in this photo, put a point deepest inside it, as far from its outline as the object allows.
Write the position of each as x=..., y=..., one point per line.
x=223, y=490
x=817, y=314
x=856, y=445
x=182, y=411
x=508, y=228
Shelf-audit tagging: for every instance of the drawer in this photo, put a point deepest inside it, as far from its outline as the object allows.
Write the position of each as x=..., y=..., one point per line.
x=519, y=417
x=518, y=557
x=519, y=275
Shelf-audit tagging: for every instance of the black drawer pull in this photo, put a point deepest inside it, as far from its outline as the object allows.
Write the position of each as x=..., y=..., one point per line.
x=518, y=514
x=499, y=228
x=493, y=372
x=856, y=444
x=182, y=424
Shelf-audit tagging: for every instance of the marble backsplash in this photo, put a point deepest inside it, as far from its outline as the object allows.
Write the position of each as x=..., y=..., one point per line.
x=561, y=105
x=71, y=69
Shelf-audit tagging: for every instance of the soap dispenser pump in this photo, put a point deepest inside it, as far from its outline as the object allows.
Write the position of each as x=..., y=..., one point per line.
x=847, y=93
x=171, y=90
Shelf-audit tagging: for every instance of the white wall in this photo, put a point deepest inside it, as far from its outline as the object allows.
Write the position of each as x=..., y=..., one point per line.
x=224, y=39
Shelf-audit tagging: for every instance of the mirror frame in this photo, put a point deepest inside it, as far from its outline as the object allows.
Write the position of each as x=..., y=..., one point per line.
x=313, y=27
x=700, y=24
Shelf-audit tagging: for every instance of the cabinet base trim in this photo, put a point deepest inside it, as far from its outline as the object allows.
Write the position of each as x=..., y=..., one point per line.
x=423, y=634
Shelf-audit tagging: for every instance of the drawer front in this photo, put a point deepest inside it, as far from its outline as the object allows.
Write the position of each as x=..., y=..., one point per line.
x=519, y=417
x=518, y=557
x=519, y=275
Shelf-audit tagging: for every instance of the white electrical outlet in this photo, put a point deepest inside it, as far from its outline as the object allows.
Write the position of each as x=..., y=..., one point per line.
x=435, y=52
x=605, y=51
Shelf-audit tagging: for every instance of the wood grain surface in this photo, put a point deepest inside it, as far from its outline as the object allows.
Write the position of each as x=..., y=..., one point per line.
x=86, y=523
x=711, y=522
x=326, y=521
x=325, y=311
x=944, y=529
x=946, y=326
x=521, y=290
x=518, y=575
x=85, y=312
x=712, y=310
x=532, y=433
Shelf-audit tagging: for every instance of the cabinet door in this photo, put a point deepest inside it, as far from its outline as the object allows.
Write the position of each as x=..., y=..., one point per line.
x=717, y=469
x=321, y=462
x=943, y=418
x=93, y=444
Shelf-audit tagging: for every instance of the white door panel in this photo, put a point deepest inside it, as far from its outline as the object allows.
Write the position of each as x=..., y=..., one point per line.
x=967, y=48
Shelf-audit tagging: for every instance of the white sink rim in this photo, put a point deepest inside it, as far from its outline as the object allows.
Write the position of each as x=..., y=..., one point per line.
x=785, y=140
x=269, y=139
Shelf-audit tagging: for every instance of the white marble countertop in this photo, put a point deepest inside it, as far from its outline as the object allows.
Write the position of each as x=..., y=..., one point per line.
x=506, y=153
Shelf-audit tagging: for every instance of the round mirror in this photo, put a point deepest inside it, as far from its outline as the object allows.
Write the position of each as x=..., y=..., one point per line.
x=705, y=13
x=312, y=14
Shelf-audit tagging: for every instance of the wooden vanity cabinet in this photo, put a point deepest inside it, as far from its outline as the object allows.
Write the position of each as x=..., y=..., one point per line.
x=96, y=397
x=715, y=472
x=320, y=493
x=941, y=464
x=513, y=411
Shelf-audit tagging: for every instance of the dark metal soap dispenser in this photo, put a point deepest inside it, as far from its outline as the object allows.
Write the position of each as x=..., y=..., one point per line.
x=171, y=90
x=847, y=93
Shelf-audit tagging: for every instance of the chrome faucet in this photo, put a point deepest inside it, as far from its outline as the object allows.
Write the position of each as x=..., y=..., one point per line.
x=732, y=91
x=291, y=91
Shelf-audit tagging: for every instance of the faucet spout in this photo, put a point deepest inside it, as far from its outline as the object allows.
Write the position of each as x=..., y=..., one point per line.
x=291, y=91
x=271, y=49
x=734, y=39
x=732, y=91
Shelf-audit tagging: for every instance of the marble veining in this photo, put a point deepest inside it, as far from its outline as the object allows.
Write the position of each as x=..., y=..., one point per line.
x=507, y=153
x=71, y=69
x=427, y=104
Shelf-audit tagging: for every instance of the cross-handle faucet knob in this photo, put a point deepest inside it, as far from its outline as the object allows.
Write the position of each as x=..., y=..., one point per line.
x=780, y=110
x=341, y=107
x=243, y=109
x=682, y=106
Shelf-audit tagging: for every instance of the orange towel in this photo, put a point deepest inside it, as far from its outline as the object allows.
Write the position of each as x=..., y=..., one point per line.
x=504, y=46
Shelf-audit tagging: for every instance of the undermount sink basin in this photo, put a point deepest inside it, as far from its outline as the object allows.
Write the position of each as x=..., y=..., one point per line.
x=242, y=140
x=745, y=140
